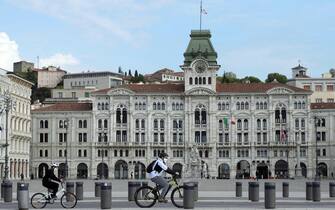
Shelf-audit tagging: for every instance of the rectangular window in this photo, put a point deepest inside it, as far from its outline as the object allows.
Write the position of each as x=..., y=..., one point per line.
x=226, y=138
x=73, y=94
x=79, y=153
x=46, y=137
x=307, y=87
x=239, y=138
x=303, y=138
x=41, y=137
x=156, y=138
x=318, y=100
x=323, y=136
x=60, y=95
x=324, y=152
x=60, y=137
x=259, y=138
x=87, y=94
x=318, y=88
x=265, y=138
x=330, y=87
x=330, y=100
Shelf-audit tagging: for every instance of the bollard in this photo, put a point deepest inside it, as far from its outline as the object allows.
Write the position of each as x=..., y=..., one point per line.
x=23, y=196
x=2, y=190
x=79, y=190
x=316, y=191
x=69, y=188
x=145, y=190
x=106, y=196
x=17, y=190
x=132, y=187
x=309, y=191
x=188, y=199
x=254, y=191
x=7, y=190
x=196, y=194
x=249, y=193
x=238, y=189
x=270, y=195
x=97, y=190
x=285, y=189
x=331, y=189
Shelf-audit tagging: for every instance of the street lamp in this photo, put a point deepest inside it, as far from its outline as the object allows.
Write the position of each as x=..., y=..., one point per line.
x=66, y=125
x=317, y=137
x=6, y=105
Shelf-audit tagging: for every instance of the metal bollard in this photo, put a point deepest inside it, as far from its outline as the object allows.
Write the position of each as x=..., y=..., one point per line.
x=2, y=190
x=106, y=196
x=97, y=190
x=309, y=191
x=196, y=194
x=316, y=191
x=249, y=193
x=132, y=187
x=144, y=191
x=238, y=189
x=254, y=191
x=17, y=190
x=79, y=190
x=270, y=195
x=7, y=190
x=23, y=196
x=331, y=189
x=69, y=188
x=188, y=199
x=285, y=189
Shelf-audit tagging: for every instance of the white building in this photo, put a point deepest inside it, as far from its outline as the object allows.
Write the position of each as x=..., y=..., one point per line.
x=323, y=88
x=19, y=126
x=240, y=130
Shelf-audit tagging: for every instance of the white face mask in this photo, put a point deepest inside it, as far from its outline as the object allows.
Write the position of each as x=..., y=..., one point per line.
x=165, y=160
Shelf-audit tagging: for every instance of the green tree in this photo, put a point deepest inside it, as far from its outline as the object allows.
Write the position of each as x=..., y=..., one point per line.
x=129, y=73
x=136, y=73
x=279, y=77
x=120, y=70
x=251, y=79
x=229, y=77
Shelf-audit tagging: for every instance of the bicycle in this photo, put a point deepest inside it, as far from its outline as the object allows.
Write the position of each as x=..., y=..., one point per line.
x=147, y=196
x=67, y=199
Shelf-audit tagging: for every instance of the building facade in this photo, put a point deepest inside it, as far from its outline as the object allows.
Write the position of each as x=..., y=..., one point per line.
x=49, y=77
x=19, y=122
x=238, y=130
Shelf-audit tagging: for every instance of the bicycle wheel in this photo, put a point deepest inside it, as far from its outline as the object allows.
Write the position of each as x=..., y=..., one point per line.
x=68, y=200
x=38, y=201
x=145, y=197
x=177, y=197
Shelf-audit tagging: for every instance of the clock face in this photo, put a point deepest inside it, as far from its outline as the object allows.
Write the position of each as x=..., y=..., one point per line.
x=200, y=66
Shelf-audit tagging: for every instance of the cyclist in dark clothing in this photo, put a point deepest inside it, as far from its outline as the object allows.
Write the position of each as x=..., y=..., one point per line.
x=48, y=179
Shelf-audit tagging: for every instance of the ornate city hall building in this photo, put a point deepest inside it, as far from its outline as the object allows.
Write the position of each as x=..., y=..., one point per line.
x=239, y=130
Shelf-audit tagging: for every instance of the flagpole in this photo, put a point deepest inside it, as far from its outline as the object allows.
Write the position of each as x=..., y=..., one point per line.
x=200, y=14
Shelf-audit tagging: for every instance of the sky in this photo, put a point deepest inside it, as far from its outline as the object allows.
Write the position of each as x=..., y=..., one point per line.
x=251, y=37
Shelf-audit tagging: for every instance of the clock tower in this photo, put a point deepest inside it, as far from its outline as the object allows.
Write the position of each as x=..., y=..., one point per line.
x=200, y=65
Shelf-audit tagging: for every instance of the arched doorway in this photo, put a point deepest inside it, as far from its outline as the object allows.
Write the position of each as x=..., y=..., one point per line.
x=62, y=170
x=262, y=171
x=121, y=170
x=102, y=171
x=82, y=171
x=178, y=168
x=303, y=169
x=243, y=170
x=281, y=169
x=140, y=171
x=322, y=170
x=224, y=171
x=42, y=168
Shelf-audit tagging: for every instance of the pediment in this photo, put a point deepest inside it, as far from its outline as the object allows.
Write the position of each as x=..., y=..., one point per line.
x=200, y=91
x=279, y=90
x=120, y=92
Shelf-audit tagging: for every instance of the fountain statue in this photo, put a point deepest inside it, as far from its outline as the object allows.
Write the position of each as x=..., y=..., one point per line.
x=193, y=163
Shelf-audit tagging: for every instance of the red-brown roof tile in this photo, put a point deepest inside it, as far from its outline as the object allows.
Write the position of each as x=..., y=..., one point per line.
x=65, y=107
x=322, y=105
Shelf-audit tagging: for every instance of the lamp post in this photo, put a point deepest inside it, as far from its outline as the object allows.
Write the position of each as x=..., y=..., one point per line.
x=7, y=104
x=317, y=136
x=66, y=124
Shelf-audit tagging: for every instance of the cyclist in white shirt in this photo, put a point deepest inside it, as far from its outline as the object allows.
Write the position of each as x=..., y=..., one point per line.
x=156, y=169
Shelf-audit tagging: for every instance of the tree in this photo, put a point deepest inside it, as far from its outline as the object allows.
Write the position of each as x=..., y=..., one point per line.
x=120, y=70
x=136, y=73
x=279, y=77
x=129, y=73
x=251, y=79
x=229, y=77
x=125, y=74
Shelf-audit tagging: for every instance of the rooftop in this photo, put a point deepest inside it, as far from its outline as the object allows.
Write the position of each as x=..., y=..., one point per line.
x=322, y=105
x=65, y=107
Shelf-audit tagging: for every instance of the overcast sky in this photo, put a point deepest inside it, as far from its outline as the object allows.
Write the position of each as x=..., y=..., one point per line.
x=251, y=37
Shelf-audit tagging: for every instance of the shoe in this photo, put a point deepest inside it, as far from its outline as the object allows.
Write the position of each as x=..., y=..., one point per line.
x=162, y=200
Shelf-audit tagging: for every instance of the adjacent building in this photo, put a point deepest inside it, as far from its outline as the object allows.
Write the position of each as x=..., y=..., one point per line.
x=164, y=75
x=239, y=130
x=49, y=77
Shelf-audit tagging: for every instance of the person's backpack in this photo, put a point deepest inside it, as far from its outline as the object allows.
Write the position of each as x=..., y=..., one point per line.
x=150, y=167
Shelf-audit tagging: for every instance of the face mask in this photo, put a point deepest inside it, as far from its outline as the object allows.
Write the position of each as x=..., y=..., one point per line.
x=165, y=160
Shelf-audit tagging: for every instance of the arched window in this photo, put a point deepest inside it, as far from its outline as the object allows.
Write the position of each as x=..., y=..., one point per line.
x=155, y=124
x=200, y=81
x=227, y=106
x=197, y=116
x=246, y=105
x=303, y=105
x=175, y=124
x=177, y=106
x=219, y=106
x=261, y=105
x=144, y=106
x=99, y=106
x=223, y=106
x=154, y=106
x=85, y=124
x=190, y=80
x=265, y=124
x=299, y=105
x=257, y=105
x=41, y=124
x=124, y=115
x=143, y=124
x=136, y=106
x=106, y=106
x=220, y=124
x=203, y=117
x=209, y=80
x=297, y=123
x=239, y=124
x=258, y=124
x=196, y=81
x=265, y=105
x=295, y=105
x=163, y=106
x=245, y=124
x=80, y=124
x=158, y=106
x=137, y=124
x=99, y=123
x=173, y=106
x=118, y=115
x=238, y=106
x=105, y=123
x=181, y=106
x=102, y=106
x=204, y=80
x=140, y=106
x=60, y=124
x=242, y=105
x=161, y=124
